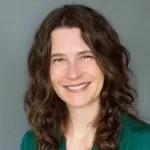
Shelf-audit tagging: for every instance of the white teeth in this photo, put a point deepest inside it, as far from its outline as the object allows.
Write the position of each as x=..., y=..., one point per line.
x=77, y=87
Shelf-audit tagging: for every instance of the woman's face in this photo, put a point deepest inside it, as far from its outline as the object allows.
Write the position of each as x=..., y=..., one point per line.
x=75, y=75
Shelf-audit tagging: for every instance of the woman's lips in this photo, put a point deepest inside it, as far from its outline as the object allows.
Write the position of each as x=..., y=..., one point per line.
x=77, y=87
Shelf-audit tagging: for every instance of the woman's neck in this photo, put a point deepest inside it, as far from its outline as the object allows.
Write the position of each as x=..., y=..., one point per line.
x=80, y=130
x=81, y=120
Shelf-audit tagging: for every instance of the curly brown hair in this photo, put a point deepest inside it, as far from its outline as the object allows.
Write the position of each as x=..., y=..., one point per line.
x=45, y=111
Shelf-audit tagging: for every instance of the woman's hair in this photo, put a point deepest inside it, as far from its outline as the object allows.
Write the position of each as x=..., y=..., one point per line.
x=45, y=111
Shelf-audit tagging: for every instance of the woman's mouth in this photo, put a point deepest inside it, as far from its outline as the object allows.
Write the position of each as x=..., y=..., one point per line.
x=77, y=87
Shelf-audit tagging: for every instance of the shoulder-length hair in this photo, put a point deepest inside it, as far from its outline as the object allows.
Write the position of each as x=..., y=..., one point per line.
x=45, y=111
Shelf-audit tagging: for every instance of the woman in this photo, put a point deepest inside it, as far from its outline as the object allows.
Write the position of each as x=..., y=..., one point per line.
x=79, y=95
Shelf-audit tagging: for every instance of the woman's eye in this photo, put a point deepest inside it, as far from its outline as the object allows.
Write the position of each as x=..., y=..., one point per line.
x=57, y=60
x=87, y=56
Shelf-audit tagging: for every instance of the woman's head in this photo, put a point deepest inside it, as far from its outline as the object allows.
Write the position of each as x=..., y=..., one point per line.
x=74, y=72
x=108, y=61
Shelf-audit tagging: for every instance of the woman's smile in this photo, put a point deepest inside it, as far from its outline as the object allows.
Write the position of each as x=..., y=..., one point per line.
x=77, y=88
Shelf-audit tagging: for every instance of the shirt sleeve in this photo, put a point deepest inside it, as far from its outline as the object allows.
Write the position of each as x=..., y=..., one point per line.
x=135, y=135
x=143, y=139
x=28, y=141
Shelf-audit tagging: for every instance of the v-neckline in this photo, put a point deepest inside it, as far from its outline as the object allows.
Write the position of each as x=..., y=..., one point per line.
x=63, y=145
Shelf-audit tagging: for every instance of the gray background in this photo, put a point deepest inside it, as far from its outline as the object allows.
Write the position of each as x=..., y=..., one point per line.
x=18, y=22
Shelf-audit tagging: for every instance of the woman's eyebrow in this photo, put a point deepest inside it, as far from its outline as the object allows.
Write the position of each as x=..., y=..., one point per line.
x=63, y=55
x=84, y=52
x=57, y=55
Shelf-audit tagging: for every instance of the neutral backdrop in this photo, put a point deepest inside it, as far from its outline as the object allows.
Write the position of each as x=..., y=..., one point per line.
x=19, y=20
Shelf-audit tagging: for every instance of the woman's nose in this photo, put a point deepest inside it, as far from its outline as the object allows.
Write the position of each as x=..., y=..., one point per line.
x=73, y=71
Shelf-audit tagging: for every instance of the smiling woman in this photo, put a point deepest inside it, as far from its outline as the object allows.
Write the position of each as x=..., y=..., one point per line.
x=75, y=75
x=79, y=95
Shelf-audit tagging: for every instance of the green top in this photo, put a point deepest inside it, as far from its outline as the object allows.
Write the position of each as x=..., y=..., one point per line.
x=135, y=135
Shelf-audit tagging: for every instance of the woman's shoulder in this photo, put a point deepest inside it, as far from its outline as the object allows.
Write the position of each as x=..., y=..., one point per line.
x=134, y=125
x=29, y=141
x=136, y=133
